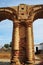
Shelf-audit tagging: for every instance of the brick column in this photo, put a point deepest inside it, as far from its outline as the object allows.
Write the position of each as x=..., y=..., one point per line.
x=15, y=45
x=30, y=43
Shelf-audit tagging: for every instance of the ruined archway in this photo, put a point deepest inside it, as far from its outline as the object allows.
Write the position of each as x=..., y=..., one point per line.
x=10, y=14
x=7, y=13
x=37, y=13
x=26, y=14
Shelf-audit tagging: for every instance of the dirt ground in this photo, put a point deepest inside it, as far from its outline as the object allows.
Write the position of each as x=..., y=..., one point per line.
x=6, y=56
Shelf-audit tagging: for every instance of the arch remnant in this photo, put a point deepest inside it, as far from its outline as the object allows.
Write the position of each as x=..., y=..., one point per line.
x=22, y=38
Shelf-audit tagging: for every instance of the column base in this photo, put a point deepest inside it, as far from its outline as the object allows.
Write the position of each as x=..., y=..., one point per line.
x=15, y=58
x=15, y=62
x=30, y=62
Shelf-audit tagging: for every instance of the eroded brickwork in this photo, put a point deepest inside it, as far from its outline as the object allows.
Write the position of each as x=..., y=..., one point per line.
x=22, y=17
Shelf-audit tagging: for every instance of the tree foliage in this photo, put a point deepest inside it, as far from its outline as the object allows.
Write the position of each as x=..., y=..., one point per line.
x=6, y=45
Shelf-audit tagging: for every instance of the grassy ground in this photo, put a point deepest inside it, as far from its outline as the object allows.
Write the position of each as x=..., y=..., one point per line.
x=5, y=55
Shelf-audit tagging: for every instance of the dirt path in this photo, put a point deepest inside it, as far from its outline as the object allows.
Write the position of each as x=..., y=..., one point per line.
x=4, y=60
x=37, y=60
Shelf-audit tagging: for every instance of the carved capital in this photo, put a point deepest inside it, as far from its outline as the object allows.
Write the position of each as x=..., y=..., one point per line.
x=28, y=23
x=16, y=23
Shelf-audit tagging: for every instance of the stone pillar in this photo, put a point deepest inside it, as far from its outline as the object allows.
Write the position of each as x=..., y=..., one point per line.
x=15, y=45
x=30, y=44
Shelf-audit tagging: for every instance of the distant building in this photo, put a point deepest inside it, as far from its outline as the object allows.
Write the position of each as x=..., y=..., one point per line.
x=38, y=47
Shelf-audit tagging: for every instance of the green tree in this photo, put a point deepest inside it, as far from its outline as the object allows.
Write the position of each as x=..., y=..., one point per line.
x=6, y=45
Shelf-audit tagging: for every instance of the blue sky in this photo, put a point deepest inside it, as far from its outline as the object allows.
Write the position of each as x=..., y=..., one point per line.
x=38, y=31
x=6, y=26
x=4, y=3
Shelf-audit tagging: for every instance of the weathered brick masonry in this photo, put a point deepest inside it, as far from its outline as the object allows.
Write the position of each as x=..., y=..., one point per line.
x=22, y=17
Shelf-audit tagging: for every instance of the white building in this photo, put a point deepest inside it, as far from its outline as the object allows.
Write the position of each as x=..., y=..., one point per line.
x=39, y=46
